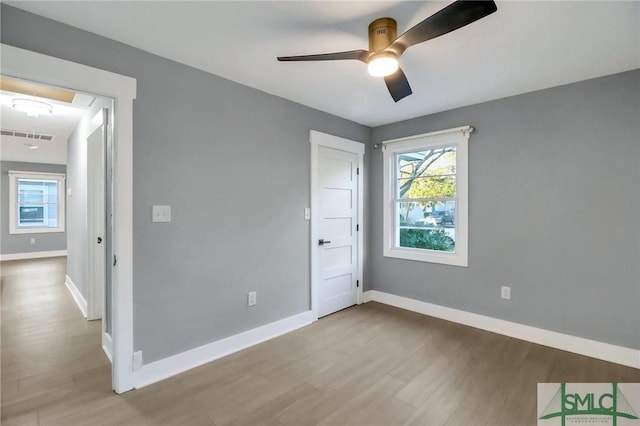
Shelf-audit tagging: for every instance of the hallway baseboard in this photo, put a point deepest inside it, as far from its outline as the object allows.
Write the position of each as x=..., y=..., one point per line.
x=32, y=255
x=77, y=296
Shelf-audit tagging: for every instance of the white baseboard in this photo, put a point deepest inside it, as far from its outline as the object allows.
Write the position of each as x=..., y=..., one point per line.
x=107, y=345
x=77, y=296
x=167, y=367
x=591, y=348
x=32, y=255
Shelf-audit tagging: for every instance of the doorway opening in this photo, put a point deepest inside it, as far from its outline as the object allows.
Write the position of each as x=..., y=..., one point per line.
x=77, y=133
x=26, y=65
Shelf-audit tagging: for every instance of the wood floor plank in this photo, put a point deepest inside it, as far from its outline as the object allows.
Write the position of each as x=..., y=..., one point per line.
x=365, y=406
x=268, y=413
x=372, y=365
x=29, y=419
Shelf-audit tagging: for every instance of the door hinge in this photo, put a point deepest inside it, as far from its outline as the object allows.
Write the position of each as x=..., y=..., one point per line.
x=358, y=283
x=357, y=228
x=358, y=171
x=114, y=260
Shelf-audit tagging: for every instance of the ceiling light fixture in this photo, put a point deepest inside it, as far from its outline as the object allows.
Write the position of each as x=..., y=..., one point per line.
x=383, y=64
x=32, y=107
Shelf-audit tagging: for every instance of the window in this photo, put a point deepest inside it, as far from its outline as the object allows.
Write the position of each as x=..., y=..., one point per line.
x=37, y=202
x=425, y=197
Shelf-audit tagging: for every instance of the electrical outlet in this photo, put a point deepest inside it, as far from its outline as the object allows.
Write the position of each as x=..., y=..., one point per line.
x=32, y=241
x=505, y=292
x=137, y=360
x=161, y=214
x=251, y=298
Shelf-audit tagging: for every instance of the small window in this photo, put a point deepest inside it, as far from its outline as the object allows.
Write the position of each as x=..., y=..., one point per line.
x=425, y=196
x=37, y=202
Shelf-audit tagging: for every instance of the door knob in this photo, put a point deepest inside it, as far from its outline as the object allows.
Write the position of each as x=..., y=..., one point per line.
x=322, y=242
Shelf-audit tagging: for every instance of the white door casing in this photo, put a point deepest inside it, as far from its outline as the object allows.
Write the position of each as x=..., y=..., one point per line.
x=337, y=212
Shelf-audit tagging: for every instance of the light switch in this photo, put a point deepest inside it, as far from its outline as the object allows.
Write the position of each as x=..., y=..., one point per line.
x=161, y=214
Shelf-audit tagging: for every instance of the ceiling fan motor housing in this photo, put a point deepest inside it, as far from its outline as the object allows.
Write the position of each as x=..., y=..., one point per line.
x=382, y=32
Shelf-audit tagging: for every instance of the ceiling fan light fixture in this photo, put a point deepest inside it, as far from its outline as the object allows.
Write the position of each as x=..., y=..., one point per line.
x=383, y=65
x=32, y=107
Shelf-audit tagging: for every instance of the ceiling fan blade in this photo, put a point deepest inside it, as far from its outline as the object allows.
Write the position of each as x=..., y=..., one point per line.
x=452, y=17
x=360, y=55
x=398, y=85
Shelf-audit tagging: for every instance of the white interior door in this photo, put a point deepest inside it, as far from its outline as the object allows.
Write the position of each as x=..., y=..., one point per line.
x=96, y=149
x=337, y=225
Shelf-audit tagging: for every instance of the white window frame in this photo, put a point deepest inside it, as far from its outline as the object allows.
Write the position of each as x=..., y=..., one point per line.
x=458, y=137
x=14, y=176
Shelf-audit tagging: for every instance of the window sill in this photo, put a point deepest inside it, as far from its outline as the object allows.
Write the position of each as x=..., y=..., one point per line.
x=36, y=231
x=419, y=255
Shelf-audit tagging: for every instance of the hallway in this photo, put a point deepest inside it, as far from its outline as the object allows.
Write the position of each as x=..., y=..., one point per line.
x=51, y=355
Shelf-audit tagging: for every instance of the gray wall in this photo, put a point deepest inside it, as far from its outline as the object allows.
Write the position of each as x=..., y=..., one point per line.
x=553, y=212
x=20, y=243
x=234, y=164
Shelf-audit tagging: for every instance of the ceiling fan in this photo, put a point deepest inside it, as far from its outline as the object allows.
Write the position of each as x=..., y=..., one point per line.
x=385, y=48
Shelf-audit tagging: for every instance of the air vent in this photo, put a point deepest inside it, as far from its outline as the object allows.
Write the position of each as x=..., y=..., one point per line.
x=27, y=135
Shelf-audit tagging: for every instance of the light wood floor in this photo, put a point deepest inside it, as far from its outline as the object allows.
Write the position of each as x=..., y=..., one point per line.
x=368, y=365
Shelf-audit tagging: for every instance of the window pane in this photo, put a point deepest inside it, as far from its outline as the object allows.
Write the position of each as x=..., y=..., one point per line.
x=30, y=195
x=37, y=191
x=428, y=187
x=426, y=174
x=52, y=216
x=44, y=216
x=427, y=225
x=31, y=215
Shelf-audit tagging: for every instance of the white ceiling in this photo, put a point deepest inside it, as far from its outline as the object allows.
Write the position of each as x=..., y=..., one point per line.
x=60, y=124
x=524, y=46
